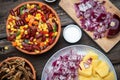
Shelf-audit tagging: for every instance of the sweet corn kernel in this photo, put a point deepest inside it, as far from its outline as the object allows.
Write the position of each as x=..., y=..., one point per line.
x=45, y=43
x=18, y=44
x=12, y=29
x=50, y=20
x=34, y=40
x=21, y=46
x=13, y=17
x=26, y=26
x=36, y=51
x=29, y=16
x=30, y=42
x=22, y=30
x=15, y=29
x=46, y=35
x=55, y=34
x=12, y=32
x=6, y=48
x=26, y=32
x=32, y=6
x=45, y=25
x=10, y=16
x=8, y=27
x=38, y=16
x=11, y=26
x=54, y=18
x=37, y=32
x=39, y=26
x=47, y=40
x=18, y=29
x=28, y=6
x=35, y=43
x=11, y=23
x=21, y=27
x=44, y=29
x=20, y=40
x=17, y=41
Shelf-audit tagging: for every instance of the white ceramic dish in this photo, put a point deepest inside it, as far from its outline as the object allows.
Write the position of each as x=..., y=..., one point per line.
x=50, y=1
x=72, y=33
x=81, y=49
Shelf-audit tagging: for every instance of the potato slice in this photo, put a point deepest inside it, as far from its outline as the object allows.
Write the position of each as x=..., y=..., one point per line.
x=84, y=78
x=110, y=76
x=102, y=69
x=90, y=55
x=96, y=78
x=81, y=77
x=85, y=71
x=95, y=63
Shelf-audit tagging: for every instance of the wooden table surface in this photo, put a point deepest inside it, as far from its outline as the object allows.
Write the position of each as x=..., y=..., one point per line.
x=39, y=61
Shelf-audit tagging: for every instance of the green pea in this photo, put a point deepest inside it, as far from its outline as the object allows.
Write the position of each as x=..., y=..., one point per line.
x=55, y=28
x=18, y=33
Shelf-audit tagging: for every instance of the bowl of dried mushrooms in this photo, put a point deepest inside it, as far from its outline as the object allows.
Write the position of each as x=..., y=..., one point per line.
x=17, y=68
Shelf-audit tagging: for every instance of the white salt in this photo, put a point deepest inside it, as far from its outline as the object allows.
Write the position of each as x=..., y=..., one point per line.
x=72, y=33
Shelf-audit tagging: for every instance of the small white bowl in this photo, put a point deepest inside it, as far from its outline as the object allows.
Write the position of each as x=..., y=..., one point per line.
x=50, y=1
x=72, y=33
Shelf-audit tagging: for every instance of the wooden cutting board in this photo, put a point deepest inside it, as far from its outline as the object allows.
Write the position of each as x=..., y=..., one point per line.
x=105, y=43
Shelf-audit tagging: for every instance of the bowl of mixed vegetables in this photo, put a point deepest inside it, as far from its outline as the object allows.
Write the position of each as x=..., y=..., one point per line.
x=33, y=27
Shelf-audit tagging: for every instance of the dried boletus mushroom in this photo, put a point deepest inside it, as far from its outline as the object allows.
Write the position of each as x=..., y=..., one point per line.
x=17, y=68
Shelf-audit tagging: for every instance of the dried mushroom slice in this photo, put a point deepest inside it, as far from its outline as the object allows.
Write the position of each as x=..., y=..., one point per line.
x=16, y=69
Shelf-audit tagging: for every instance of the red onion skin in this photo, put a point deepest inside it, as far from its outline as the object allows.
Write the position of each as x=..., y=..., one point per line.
x=113, y=30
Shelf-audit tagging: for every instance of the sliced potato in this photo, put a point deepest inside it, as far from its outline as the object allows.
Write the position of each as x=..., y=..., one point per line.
x=90, y=55
x=110, y=76
x=95, y=63
x=84, y=78
x=102, y=69
x=85, y=71
x=95, y=69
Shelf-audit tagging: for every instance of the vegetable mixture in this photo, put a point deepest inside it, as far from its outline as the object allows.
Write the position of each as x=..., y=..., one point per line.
x=32, y=27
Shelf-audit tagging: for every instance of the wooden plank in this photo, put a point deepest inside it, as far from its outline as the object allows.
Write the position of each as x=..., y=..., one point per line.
x=105, y=43
x=3, y=36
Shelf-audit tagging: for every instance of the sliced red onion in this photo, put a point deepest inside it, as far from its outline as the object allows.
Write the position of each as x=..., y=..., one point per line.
x=65, y=67
x=78, y=13
x=92, y=2
x=95, y=17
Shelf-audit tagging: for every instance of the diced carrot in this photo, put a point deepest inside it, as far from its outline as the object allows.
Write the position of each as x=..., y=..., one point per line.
x=14, y=43
x=21, y=33
x=27, y=19
x=31, y=20
x=42, y=44
x=30, y=24
x=50, y=16
x=35, y=22
x=44, y=32
x=40, y=5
